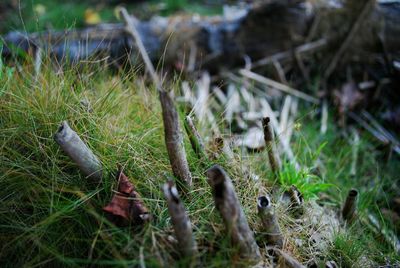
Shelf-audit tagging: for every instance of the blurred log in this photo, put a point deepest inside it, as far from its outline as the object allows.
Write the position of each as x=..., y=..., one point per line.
x=222, y=41
x=269, y=221
x=180, y=222
x=79, y=152
x=228, y=205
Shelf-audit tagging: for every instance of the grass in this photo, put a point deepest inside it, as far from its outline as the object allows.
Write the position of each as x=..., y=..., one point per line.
x=52, y=217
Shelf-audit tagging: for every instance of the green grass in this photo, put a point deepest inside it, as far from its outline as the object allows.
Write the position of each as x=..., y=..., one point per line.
x=51, y=216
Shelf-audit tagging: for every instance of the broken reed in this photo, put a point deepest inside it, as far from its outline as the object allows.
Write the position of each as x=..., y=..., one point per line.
x=180, y=222
x=269, y=222
x=269, y=138
x=350, y=206
x=227, y=203
x=79, y=152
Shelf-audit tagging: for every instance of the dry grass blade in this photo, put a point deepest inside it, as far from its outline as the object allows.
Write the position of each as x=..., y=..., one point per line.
x=284, y=88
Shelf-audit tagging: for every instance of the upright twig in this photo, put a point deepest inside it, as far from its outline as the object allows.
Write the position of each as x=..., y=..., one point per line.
x=180, y=222
x=174, y=140
x=350, y=206
x=79, y=152
x=172, y=130
x=269, y=221
x=273, y=155
x=195, y=139
x=228, y=205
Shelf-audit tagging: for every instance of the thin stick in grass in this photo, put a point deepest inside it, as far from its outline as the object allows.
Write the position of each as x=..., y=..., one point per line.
x=180, y=222
x=228, y=205
x=269, y=222
x=350, y=206
x=172, y=130
x=195, y=139
x=273, y=156
x=79, y=152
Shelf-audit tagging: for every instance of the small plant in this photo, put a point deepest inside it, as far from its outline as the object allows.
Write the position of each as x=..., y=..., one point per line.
x=308, y=184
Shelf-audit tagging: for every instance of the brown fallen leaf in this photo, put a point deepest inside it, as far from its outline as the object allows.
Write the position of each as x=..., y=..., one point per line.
x=126, y=205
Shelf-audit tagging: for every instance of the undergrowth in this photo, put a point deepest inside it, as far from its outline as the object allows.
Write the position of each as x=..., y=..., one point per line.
x=50, y=215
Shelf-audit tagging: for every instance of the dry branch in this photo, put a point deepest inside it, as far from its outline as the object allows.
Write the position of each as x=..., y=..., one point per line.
x=79, y=152
x=273, y=155
x=232, y=213
x=350, y=206
x=269, y=221
x=180, y=222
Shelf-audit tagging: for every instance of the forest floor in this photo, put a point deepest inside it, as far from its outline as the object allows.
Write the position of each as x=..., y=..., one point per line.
x=51, y=216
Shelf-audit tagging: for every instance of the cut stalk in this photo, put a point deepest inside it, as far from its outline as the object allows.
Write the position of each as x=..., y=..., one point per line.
x=172, y=130
x=228, y=205
x=78, y=151
x=269, y=221
x=174, y=140
x=350, y=206
x=273, y=156
x=180, y=222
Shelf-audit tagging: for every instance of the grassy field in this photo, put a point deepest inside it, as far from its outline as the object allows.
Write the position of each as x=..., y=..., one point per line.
x=51, y=216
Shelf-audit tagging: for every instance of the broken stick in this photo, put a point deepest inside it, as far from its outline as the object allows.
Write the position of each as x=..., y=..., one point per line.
x=269, y=221
x=228, y=205
x=79, y=152
x=349, y=208
x=173, y=134
x=180, y=222
x=273, y=156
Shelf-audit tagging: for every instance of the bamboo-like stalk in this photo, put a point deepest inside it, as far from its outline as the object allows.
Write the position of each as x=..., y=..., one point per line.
x=273, y=156
x=350, y=206
x=269, y=221
x=172, y=130
x=78, y=151
x=180, y=222
x=174, y=140
x=195, y=139
x=228, y=205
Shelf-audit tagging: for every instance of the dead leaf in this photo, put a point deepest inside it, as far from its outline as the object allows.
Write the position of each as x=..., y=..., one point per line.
x=348, y=97
x=126, y=205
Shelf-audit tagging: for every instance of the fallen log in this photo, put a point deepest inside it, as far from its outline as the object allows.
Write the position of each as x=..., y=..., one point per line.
x=223, y=41
x=228, y=205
